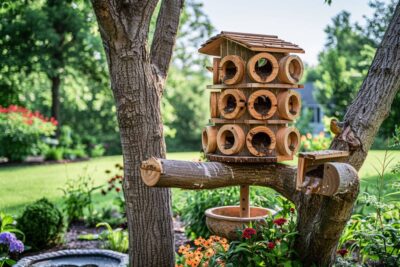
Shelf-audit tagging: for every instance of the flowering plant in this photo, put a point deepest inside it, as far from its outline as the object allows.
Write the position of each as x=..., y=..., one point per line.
x=316, y=142
x=202, y=253
x=269, y=243
x=9, y=244
x=115, y=184
x=21, y=132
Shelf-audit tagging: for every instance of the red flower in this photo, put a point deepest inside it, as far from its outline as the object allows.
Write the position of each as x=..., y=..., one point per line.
x=248, y=233
x=342, y=252
x=117, y=189
x=271, y=245
x=280, y=221
x=292, y=210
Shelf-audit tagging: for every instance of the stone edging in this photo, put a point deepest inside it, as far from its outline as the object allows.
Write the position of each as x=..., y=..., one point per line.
x=26, y=262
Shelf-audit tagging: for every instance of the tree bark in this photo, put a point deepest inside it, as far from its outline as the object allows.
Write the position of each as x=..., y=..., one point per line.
x=55, y=97
x=321, y=219
x=137, y=81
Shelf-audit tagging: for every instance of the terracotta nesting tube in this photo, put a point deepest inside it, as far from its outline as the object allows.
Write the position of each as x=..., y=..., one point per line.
x=289, y=104
x=230, y=139
x=262, y=68
x=290, y=69
x=260, y=141
x=232, y=103
x=288, y=141
x=214, y=104
x=231, y=69
x=262, y=104
x=209, y=139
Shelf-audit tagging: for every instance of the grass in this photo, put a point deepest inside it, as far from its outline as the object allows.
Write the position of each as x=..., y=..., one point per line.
x=22, y=185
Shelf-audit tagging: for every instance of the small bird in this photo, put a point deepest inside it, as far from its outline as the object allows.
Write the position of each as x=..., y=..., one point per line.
x=336, y=126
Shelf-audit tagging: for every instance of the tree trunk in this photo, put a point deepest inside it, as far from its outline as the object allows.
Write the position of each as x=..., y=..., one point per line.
x=148, y=211
x=321, y=220
x=137, y=81
x=55, y=97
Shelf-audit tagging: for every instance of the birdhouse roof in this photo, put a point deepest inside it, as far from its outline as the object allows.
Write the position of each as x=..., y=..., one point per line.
x=251, y=41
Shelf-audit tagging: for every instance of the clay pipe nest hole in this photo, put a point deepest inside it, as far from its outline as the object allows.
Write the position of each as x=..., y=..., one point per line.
x=262, y=68
x=262, y=104
x=230, y=139
x=231, y=69
x=232, y=103
x=260, y=141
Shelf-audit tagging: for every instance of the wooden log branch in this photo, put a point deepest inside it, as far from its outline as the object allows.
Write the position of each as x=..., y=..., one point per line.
x=208, y=175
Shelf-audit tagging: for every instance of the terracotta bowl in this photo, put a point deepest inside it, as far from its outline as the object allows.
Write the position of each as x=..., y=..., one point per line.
x=224, y=221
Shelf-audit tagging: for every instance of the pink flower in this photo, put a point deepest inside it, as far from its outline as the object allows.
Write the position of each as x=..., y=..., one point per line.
x=280, y=221
x=248, y=233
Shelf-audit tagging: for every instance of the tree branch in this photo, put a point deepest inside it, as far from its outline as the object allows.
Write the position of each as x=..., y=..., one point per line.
x=208, y=175
x=165, y=34
x=373, y=102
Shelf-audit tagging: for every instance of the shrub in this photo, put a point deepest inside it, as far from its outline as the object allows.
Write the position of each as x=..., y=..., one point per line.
x=78, y=197
x=42, y=224
x=54, y=153
x=22, y=132
x=97, y=151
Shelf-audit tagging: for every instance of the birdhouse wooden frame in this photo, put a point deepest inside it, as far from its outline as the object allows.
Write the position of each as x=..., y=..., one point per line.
x=253, y=105
x=253, y=101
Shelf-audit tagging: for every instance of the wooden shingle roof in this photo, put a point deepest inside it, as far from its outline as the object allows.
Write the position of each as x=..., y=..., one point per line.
x=253, y=42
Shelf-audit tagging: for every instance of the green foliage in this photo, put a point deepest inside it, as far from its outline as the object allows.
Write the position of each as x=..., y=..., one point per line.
x=54, y=153
x=78, y=197
x=42, y=224
x=374, y=233
x=344, y=63
x=111, y=215
x=22, y=132
x=116, y=240
x=196, y=204
x=7, y=226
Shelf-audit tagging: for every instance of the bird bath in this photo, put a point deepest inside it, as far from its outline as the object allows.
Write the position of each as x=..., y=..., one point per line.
x=76, y=258
x=224, y=221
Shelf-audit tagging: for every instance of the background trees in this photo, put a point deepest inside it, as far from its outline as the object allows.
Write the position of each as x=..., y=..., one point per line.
x=343, y=64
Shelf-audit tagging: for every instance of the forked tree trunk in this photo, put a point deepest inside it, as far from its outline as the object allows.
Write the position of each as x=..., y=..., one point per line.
x=137, y=81
x=322, y=219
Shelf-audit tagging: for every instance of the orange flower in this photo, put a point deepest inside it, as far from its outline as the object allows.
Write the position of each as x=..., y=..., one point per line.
x=303, y=138
x=309, y=136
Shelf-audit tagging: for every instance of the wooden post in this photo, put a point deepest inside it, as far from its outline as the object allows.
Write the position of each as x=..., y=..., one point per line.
x=244, y=201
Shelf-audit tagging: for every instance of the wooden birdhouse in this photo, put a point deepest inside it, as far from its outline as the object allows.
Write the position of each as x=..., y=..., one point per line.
x=254, y=103
x=253, y=99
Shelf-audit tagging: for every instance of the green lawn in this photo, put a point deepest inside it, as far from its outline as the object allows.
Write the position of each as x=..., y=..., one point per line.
x=22, y=185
